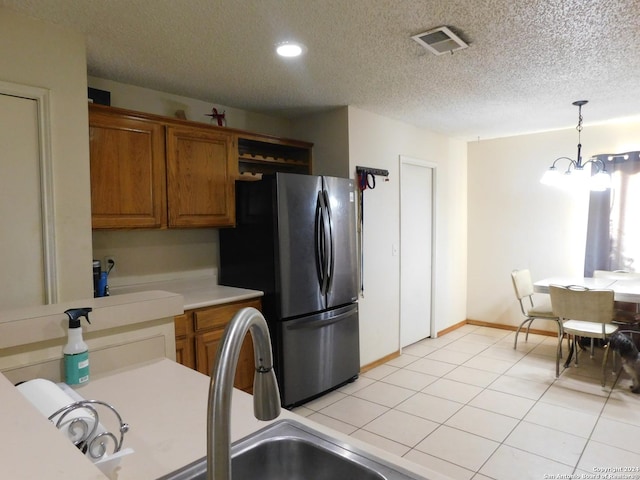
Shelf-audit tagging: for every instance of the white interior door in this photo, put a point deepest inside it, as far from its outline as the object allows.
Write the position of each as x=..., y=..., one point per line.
x=416, y=246
x=22, y=252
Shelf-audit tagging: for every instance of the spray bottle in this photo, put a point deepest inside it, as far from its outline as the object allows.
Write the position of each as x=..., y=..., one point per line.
x=76, y=351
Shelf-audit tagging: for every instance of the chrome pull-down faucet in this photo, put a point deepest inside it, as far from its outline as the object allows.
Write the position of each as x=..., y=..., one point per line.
x=266, y=397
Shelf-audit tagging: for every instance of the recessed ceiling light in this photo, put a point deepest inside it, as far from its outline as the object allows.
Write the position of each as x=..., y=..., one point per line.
x=290, y=49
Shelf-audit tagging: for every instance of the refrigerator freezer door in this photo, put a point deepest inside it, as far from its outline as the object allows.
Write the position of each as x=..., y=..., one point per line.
x=343, y=285
x=298, y=280
x=317, y=353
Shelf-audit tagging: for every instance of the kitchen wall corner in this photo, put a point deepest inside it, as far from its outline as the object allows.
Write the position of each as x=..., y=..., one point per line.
x=378, y=142
x=40, y=54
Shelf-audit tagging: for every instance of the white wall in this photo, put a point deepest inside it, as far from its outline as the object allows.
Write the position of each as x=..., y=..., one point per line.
x=161, y=103
x=43, y=55
x=516, y=222
x=144, y=256
x=329, y=132
x=377, y=142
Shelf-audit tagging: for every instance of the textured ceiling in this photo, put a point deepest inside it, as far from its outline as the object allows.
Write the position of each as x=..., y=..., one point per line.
x=528, y=60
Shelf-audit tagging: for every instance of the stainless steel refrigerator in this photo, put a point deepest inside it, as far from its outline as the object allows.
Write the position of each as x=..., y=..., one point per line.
x=295, y=240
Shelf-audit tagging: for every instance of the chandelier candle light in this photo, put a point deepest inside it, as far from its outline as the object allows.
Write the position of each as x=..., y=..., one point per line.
x=576, y=175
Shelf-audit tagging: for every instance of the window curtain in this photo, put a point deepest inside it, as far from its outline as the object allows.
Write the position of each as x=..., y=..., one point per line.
x=613, y=231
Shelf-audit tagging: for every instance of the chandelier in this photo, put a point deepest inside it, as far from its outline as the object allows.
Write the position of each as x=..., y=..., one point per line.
x=576, y=175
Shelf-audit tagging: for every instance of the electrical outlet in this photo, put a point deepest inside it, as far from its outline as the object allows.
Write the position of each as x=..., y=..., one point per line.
x=109, y=263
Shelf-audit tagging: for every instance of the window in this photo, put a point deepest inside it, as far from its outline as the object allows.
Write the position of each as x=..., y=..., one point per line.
x=613, y=231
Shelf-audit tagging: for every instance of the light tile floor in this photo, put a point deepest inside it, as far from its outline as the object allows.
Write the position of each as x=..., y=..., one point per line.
x=471, y=407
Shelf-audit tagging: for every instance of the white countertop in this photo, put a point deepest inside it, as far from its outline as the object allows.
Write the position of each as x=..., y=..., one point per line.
x=33, y=447
x=43, y=323
x=197, y=292
x=165, y=404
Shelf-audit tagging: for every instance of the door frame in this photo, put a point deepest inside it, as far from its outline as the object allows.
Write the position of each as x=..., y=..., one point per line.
x=42, y=98
x=408, y=160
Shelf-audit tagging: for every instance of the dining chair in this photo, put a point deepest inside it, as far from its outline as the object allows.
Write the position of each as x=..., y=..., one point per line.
x=625, y=312
x=523, y=287
x=584, y=313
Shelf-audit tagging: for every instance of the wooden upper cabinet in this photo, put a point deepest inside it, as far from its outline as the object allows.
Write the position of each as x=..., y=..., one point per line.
x=127, y=172
x=201, y=169
x=152, y=171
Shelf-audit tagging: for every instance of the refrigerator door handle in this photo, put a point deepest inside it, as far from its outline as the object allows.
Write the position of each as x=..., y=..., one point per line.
x=327, y=243
x=321, y=263
x=330, y=261
x=323, y=322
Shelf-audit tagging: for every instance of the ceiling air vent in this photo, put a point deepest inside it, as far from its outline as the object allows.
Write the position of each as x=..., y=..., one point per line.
x=440, y=40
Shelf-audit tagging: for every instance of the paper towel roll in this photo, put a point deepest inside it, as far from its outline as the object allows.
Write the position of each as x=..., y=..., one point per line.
x=48, y=398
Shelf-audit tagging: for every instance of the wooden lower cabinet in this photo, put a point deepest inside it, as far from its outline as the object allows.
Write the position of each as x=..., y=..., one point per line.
x=198, y=334
x=207, y=347
x=185, y=354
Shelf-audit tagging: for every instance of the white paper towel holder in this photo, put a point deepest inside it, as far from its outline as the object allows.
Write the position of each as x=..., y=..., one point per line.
x=85, y=436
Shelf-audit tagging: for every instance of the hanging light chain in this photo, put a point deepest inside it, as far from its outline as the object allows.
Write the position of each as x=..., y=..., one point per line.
x=579, y=127
x=579, y=104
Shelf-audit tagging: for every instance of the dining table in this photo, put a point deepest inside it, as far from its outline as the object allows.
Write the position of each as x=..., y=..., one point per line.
x=624, y=290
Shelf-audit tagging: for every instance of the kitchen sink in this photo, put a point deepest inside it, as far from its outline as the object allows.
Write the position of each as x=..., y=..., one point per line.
x=289, y=450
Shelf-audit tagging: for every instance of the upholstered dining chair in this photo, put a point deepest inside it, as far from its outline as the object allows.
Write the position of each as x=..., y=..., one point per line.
x=583, y=312
x=523, y=287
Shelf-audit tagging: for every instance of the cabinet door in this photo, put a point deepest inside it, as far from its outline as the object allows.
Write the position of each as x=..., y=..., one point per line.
x=127, y=171
x=207, y=344
x=206, y=348
x=209, y=324
x=184, y=352
x=201, y=177
x=246, y=367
